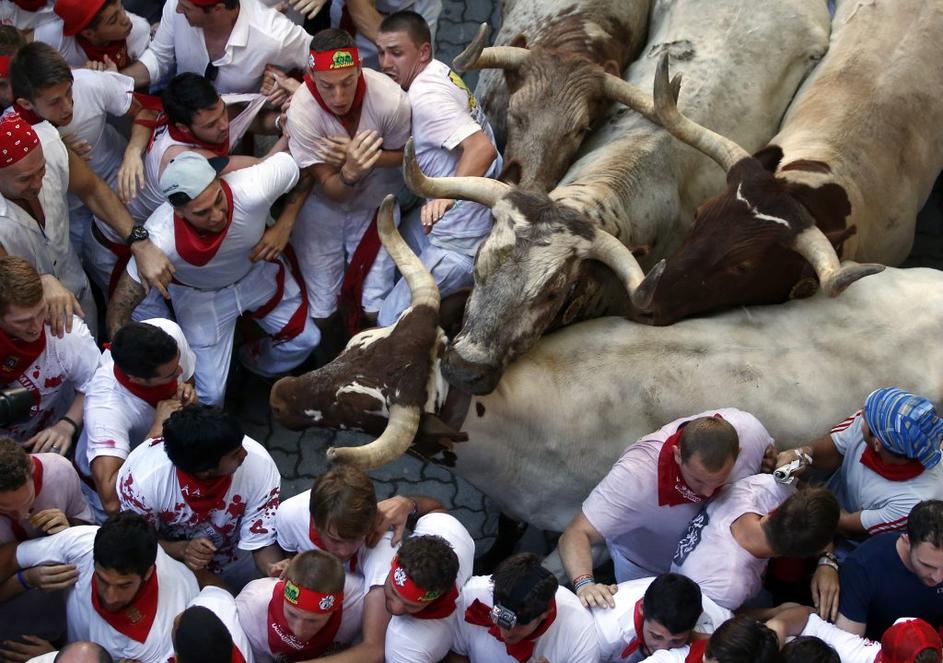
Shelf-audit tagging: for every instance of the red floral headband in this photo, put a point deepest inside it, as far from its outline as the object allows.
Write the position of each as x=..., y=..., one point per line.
x=408, y=589
x=338, y=58
x=311, y=600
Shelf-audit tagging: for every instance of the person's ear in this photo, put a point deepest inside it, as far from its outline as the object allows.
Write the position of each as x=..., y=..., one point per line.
x=25, y=103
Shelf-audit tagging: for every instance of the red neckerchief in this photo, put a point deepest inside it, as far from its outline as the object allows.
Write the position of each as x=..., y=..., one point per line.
x=150, y=395
x=30, y=5
x=17, y=356
x=672, y=490
x=351, y=118
x=28, y=115
x=116, y=50
x=18, y=532
x=198, y=247
x=479, y=614
x=186, y=136
x=203, y=495
x=316, y=540
x=639, y=639
x=440, y=608
x=696, y=652
x=134, y=621
x=902, y=472
x=351, y=295
x=282, y=642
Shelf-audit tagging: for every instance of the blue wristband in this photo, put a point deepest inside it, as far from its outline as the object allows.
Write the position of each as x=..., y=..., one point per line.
x=21, y=577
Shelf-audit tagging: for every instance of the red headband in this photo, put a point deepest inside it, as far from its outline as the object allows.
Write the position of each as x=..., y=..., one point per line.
x=311, y=600
x=408, y=589
x=17, y=138
x=5, y=65
x=339, y=58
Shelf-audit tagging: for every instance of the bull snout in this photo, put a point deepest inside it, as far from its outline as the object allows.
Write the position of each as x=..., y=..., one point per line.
x=474, y=377
x=280, y=403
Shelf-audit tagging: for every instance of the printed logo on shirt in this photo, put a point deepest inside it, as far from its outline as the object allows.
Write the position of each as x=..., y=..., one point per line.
x=691, y=538
x=342, y=59
x=460, y=84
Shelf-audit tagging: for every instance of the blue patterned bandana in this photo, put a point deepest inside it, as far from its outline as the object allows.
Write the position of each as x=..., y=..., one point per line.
x=905, y=424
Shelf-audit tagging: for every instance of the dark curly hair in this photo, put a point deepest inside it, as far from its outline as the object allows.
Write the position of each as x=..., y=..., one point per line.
x=804, y=524
x=430, y=562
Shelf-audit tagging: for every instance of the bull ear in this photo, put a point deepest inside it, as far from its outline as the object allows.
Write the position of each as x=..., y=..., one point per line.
x=511, y=173
x=611, y=67
x=769, y=157
x=519, y=41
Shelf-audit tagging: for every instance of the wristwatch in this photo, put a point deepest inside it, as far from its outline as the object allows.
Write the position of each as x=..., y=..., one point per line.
x=138, y=234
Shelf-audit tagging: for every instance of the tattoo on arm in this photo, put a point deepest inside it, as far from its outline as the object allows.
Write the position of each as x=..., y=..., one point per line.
x=128, y=294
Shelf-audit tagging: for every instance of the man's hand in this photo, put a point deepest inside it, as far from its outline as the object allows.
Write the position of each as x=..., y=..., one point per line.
x=28, y=647
x=786, y=457
x=186, y=394
x=277, y=570
x=769, y=460
x=825, y=592
x=433, y=211
x=273, y=242
x=362, y=155
x=166, y=408
x=309, y=8
x=51, y=577
x=153, y=266
x=50, y=521
x=130, y=178
x=56, y=439
x=198, y=553
x=78, y=145
x=333, y=149
x=61, y=304
x=107, y=65
x=391, y=514
x=597, y=594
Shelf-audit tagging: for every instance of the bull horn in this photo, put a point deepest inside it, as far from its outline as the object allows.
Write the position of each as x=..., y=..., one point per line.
x=834, y=277
x=477, y=189
x=615, y=255
x=393, y=443
x=421, y=284
x=616, y=89
x=719, y=148
x=477, y=56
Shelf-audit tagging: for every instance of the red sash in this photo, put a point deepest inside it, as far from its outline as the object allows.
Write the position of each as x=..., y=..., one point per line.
x=441, y=607
x=28, y=115
x=151, y=102
x=351, y=295
x=672, y=490
x=122, y=251
x=891, y=472
x=134, y=621
x=17, y=356
x=479, y=614
x=316, y=540
x=281, y=640
x=351, y=118
x=18, y=532
x=696, y=652
x=203, y=495
x=150, y=395
x=116, y=50
x=198, y=247
x=639, y=639
x=296, y=323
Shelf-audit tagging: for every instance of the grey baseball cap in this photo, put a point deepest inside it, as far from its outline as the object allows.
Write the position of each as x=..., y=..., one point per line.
x=189, y=174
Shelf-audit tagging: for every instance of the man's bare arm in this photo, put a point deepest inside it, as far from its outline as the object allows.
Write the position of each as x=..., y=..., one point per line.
x=576, y=552
x=105, y=475
x=127, y=295
x=375, y=621
x=845, y=624
x=140, y=74
x=275, y=238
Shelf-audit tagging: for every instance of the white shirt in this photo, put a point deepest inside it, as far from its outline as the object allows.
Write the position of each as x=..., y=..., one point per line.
x=884, y=504
x=60, y=490
x=116, y=420
x=851, y=648
x=292, y=527
x=615, y=627
x=253, y=601
x=11, y=14
x=47, y=248
x=708, y=553
x=176, y=586
x=570, y=638
x=223, y=605
x=412, y=640
x=149, y=198
x=148, y=485
x=64, y=367
x=385, y=110
x=50, y=32
x=260, y=36
x=428, y=9
x=445, y=112
x=631, y=521
x=254, y=191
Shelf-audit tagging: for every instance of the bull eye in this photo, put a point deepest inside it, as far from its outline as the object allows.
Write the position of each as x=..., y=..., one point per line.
x=741, y=268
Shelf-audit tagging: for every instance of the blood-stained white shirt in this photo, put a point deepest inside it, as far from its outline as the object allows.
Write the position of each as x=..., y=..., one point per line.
x=615, y=627
x=116, y=421
x=884, y=504
x=571, y=637
x=851, y=648
x=385, y=110
x=624, y=508
x=254, y=191
x=253, y=601
x=709, y=554
x=176, y=588
x=50, y=32
x=148, y=485
x=222, y=604
x=412, y=640
x=59, y=489
x=445, y=112
x=292, y=526
x=65, y=367
x=149, y=198
x=260, y=36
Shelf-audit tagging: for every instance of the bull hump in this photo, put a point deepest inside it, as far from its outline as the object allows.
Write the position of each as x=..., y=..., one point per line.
x=575, y=32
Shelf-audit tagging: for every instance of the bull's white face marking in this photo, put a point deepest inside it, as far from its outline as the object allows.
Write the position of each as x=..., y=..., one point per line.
x=373, y=392
x=367, y=338
x=756, y=214
x=437, y=389
x=315, y=415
